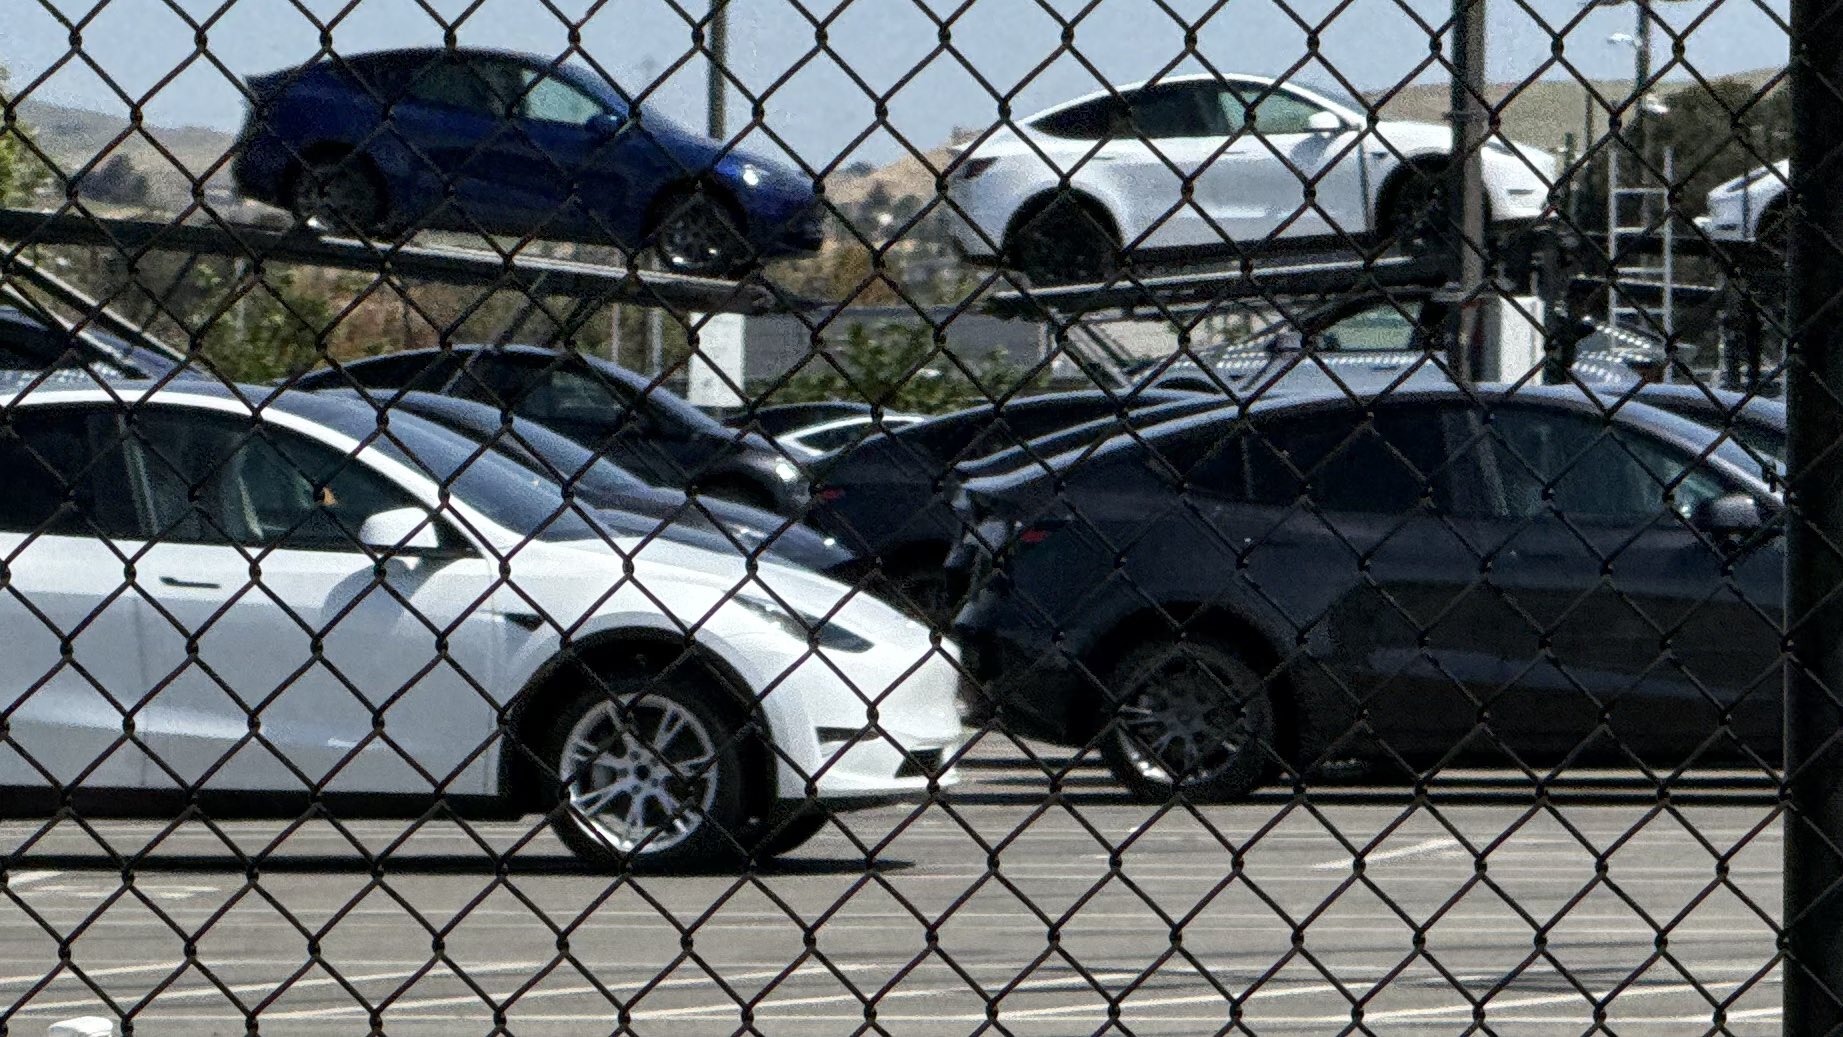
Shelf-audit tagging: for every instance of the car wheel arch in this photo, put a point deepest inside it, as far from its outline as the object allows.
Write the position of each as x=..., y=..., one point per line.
x=1230, y=628
x=1035, y=204
x=521, y=782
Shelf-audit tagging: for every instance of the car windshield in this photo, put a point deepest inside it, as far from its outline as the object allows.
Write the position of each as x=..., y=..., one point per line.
x=513, y=496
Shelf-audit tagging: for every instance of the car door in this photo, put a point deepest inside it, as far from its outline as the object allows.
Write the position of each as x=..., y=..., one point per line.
x=1166, y=137
x=1345, y=533
x=1634, y=632
x=590, y=177
x=460, y=119
x=1259, y=187
x=71, y=671
x=286, y=657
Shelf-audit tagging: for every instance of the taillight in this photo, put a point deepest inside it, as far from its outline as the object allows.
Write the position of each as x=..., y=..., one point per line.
x=1033, y=535
x=830, y=494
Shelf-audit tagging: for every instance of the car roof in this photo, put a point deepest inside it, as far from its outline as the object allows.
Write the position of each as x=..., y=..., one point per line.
x=1682, y=431
x=1236, y=78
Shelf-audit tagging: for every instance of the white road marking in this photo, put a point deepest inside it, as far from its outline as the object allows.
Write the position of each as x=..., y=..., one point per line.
x=26, y=878
x=1442, y=846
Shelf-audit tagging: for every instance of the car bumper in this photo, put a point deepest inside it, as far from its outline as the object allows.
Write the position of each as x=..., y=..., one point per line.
x=1726, y=220
x=1025, y=680
x=829, y=745
x=978, y=218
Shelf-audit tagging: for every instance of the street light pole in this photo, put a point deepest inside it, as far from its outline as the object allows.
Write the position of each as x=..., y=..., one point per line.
x=716, y=40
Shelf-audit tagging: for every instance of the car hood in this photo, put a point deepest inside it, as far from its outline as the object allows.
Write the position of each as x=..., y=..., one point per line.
x=660, y=563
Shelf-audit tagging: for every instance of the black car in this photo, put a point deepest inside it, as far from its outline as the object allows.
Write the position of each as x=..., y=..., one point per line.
x=891, y=496
x=32, y=350
x=634, y=421
x=626, y=504
x=1418, y=581
x=1756, y=422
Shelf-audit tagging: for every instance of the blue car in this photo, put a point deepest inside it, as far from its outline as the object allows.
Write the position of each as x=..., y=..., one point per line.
x=394, y=141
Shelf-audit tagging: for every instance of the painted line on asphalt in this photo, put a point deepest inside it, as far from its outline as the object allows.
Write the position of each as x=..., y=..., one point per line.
x=1440, y=846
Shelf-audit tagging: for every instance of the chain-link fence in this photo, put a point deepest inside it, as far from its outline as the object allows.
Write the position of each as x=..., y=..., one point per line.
x=1138, y=516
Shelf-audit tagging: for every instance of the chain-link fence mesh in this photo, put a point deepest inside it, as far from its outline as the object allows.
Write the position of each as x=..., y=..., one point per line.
x=1143, y=517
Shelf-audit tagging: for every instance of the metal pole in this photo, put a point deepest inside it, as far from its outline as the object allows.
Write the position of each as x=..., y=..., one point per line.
x=1471, y=123
x=716, y=39
x=1641, y=75
x=1813, y=918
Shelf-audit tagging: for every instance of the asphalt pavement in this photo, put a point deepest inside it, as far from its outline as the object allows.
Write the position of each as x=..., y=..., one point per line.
x=1482, y=902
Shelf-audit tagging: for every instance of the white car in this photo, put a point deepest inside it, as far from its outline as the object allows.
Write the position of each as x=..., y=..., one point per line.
x=827, y=436
x=1246, y=146
x=201, y=606
x=1750, y=207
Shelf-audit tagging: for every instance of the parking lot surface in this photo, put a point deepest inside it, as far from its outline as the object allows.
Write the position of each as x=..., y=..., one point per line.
x=1056, y=914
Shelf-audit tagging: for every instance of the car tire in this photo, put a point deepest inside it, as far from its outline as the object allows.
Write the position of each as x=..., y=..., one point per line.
x=339, y=193
x=648, y=772
x=698, y=234
x=787, y=833
x=1064, y=241
x=1420, y=218
x=1191, y=719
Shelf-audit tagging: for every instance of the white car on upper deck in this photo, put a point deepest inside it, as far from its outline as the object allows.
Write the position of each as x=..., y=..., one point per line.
x=1262, y=160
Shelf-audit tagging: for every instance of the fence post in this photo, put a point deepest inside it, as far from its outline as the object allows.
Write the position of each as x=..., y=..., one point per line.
x=1813, y=936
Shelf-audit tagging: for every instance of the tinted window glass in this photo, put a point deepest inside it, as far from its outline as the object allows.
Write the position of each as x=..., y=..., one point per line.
x=452, y=84
x=1275, y=112
x=1339, y=462
x=215, y=478
x=1177, y=110
x=1090, y=121
x=1583, y=468
x=63, y=474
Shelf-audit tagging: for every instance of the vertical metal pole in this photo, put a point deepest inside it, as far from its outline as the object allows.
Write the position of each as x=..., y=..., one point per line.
x=716, y=39
x=1813, y=919
x=1670, y=255
x=1471, y=126
x=1612, y=236
x=1641, y=75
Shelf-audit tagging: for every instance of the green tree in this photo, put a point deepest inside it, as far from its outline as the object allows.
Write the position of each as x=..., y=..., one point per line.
x=898, y=367
x=275, y=330
x=21, y=169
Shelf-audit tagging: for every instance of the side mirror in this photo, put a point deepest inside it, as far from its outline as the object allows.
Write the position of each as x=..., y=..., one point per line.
x=1325, y=122
x=400, y=531
x=605, y=124
x=1733, y=515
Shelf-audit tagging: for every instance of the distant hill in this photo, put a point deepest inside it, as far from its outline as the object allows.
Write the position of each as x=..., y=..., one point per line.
x=75, y=138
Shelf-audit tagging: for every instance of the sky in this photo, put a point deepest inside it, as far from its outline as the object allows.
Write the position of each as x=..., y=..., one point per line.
x=823, y=68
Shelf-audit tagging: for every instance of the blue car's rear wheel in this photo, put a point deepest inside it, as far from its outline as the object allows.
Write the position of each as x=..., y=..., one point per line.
x=340, y=193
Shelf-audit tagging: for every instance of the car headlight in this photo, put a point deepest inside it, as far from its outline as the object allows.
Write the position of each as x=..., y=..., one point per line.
x=750, y=174
x=799, y=626
x=786, y=470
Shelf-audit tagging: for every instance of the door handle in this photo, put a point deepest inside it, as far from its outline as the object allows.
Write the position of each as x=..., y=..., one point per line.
x=174, y=581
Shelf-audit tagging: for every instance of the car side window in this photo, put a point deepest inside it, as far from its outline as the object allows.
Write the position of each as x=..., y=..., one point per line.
x=224, y=479
x=451, y=83
x=1583, y=468
x=1273, y=112
x=64, y=475
x=1089, y=121
x=549, y=99
x=545, y=392
x=1341, y=462
x=1175, y=110
x=1382, y=328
